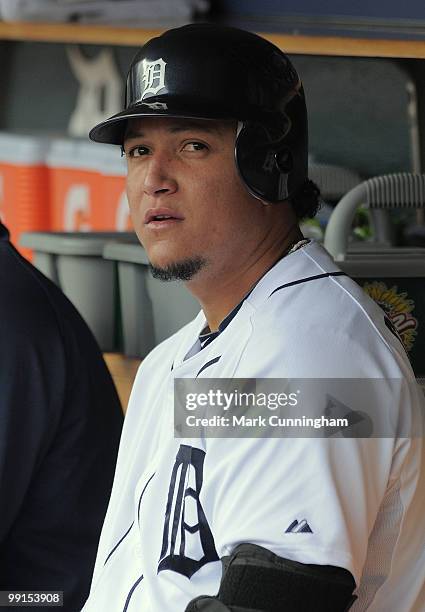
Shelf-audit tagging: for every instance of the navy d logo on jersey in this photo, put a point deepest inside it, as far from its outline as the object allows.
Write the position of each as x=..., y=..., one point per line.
x=153, y=76
x=187, y=543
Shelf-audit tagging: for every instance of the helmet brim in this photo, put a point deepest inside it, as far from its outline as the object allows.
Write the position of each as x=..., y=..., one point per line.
x=112, y=130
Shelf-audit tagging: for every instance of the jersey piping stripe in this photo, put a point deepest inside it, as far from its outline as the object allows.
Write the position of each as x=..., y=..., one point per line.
x=129, y=596
x=306, y=280
x=141, y=496
x=206, y=339
x=393, y=330
x=129, y=529
x=118, y=543
x=208, y=364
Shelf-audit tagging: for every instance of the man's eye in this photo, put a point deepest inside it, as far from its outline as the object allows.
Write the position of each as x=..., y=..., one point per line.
x=137, y=152
x=194, y=146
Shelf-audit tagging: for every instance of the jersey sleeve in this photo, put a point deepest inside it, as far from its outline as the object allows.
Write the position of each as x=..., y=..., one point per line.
x=309, y=499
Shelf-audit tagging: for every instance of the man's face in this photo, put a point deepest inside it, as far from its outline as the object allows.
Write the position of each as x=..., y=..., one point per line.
x=187, y=202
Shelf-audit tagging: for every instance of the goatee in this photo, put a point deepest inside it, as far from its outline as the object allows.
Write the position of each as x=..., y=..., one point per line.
x=182, y=270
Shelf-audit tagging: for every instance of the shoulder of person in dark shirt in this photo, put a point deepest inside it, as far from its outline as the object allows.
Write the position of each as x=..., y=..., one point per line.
x=61, y=421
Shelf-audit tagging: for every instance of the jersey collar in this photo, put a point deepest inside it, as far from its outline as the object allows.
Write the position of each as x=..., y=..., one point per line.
x=293, y=268
x=206, y=337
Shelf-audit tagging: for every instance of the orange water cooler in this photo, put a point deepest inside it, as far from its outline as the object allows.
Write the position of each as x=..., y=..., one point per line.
x=112, y=206
x=24, y=192
x=87, y=187
x=74, y=184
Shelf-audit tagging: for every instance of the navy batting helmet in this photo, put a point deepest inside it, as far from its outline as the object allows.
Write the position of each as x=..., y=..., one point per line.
x=209, y=71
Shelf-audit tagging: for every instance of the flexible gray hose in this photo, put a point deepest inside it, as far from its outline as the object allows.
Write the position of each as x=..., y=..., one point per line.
x=390, y=191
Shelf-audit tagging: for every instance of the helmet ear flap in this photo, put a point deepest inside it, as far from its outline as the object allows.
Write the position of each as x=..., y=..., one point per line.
x=264, y=163
x=284, y=160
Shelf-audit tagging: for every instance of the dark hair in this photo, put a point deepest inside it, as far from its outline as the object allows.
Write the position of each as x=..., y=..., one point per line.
x=306, y=201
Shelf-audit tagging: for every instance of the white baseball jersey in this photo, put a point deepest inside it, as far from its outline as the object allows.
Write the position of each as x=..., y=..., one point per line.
x=179, y=505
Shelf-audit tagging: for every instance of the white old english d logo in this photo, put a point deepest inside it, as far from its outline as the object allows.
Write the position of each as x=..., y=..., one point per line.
x=153, y=76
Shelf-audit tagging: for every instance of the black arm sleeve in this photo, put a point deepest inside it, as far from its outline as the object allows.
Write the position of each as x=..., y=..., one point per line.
x=256, y=580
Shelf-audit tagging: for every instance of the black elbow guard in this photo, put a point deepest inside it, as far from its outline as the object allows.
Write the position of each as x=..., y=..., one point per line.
x=256, y=580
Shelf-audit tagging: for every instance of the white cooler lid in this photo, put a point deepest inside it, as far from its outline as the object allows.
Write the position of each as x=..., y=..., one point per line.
x=74, y=153
x=23, y=149
x=110, y=160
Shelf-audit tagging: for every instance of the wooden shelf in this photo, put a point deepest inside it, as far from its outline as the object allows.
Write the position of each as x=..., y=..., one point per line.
x=123, y=371
x=292, y=44
x=347, y=46
x=75, y=33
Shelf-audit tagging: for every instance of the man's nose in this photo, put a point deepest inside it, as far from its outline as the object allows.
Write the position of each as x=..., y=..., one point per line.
x=158, y=178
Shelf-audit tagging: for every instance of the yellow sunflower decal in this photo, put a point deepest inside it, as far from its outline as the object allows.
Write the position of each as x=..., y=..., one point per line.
x=398, y=308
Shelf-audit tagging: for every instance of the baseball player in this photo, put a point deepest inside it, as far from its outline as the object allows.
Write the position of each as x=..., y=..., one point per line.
x=215, y=135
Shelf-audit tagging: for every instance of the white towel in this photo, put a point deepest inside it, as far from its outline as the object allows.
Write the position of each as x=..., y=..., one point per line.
x=100, y=11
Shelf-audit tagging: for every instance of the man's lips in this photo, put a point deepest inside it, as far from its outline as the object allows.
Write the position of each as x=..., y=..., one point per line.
x=161, y=216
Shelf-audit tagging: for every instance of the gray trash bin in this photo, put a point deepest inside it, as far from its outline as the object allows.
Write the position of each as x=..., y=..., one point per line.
x=151, y=310
x=73, y=260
